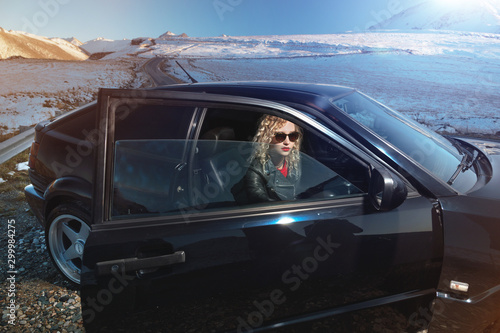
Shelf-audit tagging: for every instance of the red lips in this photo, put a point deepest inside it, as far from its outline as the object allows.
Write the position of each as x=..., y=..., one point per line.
x=285, y=149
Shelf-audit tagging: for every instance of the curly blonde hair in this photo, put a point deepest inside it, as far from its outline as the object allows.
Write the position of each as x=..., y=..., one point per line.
x=267, y=127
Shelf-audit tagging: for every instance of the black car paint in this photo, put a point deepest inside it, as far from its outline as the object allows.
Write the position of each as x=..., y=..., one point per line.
x=242, y=260
x=472, y=251
x=62, y=169
x=421, y=256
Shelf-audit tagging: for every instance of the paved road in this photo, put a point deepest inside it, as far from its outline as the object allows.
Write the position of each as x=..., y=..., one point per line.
x=19, y=143
x=158, y=78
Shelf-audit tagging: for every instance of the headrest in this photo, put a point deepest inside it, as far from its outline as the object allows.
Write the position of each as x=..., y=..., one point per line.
x=209, y=145
x=219, y=133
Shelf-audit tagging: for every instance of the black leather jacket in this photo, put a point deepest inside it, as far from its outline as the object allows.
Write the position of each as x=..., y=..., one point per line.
x=263, y=183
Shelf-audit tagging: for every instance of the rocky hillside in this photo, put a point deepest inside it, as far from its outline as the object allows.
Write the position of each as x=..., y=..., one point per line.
x=14, y=44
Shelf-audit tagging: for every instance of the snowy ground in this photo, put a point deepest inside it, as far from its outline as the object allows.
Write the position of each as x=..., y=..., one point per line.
x=447, y=80
x=429, y=89
x=34, y=90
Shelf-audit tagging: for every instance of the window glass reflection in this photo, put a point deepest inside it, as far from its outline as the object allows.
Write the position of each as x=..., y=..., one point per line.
x=157, y=177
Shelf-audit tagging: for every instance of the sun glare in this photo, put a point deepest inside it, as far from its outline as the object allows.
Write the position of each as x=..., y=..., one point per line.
x=285, y=220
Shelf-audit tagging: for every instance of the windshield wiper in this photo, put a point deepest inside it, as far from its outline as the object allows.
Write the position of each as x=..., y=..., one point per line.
x=454, y=142
x=466, y=163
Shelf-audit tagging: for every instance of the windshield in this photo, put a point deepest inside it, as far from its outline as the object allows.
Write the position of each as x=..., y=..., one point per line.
x=432, y=151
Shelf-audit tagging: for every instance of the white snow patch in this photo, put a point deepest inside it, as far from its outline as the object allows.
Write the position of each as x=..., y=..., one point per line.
x=107, y=45
x=22, y=166
x=35, y=90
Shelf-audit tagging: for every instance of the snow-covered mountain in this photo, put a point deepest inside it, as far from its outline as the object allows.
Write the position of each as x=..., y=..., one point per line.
x=21, y=44
x=170, y=34
x=73, y=41
x=101, y=48
x=101, y=45
x=458, y=15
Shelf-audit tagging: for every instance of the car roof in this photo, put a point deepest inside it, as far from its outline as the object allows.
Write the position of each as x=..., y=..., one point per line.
x=262, y=89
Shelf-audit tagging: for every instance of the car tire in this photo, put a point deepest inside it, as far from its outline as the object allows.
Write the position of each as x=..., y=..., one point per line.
x=66, y=234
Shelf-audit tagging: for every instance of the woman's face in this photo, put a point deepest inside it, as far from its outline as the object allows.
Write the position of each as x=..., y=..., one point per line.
x=282, y=148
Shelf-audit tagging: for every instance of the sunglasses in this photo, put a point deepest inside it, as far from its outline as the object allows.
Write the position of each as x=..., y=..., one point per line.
x=280, y=137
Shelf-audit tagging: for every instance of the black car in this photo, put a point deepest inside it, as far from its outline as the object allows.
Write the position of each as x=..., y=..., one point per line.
x=391, y=227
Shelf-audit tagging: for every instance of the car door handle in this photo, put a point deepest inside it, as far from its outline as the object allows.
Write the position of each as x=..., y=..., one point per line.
x=135, y=264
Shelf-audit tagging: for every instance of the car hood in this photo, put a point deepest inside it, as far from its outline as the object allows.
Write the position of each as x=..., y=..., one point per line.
x=489, y=181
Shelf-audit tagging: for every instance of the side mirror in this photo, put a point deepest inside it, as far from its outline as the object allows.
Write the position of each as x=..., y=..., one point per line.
x=386, y=191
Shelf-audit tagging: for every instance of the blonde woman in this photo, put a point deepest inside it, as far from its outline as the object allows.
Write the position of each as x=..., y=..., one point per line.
x=275, y=165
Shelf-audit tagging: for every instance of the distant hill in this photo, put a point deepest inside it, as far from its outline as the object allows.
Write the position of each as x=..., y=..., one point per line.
x=73, y=41
x=170, y=34
x=16, y=44
x=457, y=15
x=101, y=47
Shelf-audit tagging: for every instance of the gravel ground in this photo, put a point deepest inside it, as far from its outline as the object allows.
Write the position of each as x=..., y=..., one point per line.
x=43, y=300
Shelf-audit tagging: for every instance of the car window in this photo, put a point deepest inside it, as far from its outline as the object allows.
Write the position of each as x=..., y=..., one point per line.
x=151, y=121
x=213, y=172
x=150, y=149
x=148, y=176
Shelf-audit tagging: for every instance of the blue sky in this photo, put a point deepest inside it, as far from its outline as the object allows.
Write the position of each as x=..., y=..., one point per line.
x=118, y=19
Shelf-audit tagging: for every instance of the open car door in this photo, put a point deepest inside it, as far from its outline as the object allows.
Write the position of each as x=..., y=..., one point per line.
x=169, y=248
